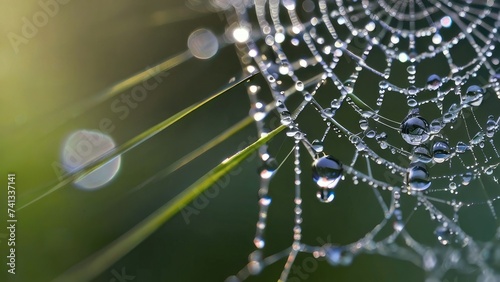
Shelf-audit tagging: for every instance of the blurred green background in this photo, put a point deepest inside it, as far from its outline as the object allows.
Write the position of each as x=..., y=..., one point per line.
x=88, y=46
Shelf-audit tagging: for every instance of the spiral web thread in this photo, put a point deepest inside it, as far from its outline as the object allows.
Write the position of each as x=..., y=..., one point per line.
x=342, y=61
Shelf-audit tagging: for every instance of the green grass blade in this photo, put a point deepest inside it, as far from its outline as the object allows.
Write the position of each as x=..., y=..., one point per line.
x=56, y=119
x=132, y=143
x=106, y=257
x=197, y=152
x=144, y=75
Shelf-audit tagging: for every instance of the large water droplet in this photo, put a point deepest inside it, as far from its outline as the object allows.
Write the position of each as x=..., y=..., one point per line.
x=415, y=129
x=436, y=126
x=363, y=124
x=421, y=154
x=440, y=151
x=286, y=118
x=473, y=96
x=325, y=195
x=433, y=82
x=349, y=85
x=317, y=146
x=327, y=172
x=417, y=177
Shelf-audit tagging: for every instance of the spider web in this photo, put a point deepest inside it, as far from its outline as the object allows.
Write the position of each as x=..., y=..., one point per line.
x=348, y=79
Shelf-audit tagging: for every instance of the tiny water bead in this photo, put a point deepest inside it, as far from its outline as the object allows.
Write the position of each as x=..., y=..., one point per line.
x=327, y=172
x=415, y=129
x=433, y=82
x=436, y=126
x=325, y=195
x=461, y=147
x=417, y=177
x=440, y=151
x=473, y=96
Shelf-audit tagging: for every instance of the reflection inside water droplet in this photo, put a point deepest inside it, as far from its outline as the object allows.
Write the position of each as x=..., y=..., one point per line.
x=415, y=129
x=327, y=172
x=417, y=177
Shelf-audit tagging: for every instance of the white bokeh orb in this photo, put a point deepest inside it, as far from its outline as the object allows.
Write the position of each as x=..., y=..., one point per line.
x=203, y=44
x=81, y=148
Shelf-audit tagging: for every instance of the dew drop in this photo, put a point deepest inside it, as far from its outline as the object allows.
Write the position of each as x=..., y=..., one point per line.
x=327, y=171
x=325, y=195
x=411, y=69
x=437, y=39
x=268, y=168
x=307, y=97
x=335, y=104
x=317, y=146
x=349, y=85
x=259, y=242
x=412, y=102
x=461, y=147
x=286, y=118
x=412, y=90
x=473, y=96
x=452, y=185
x=415, y=129
x=383, y=84
x=478, y=138
x=299, y=85
x=433, y=82
x=436, y=126
x=421, y=154
x=467, y=178
x=417, y=177
x=440, y=151
x=329, y=112
x=284, y=69
x=363, y=124
x=265, y=201
x=370, y=133
x=491, y=124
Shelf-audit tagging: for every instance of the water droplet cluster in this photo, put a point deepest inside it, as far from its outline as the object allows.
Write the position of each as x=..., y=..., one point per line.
x=399, y=97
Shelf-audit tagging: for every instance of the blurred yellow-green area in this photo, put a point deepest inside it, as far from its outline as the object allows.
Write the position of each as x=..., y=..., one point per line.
x=56, y=58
